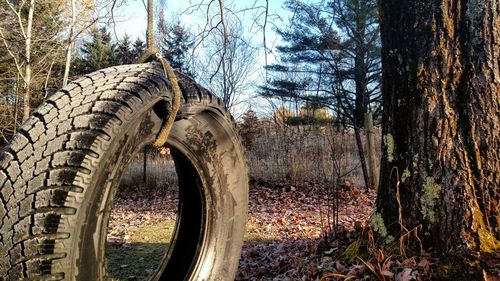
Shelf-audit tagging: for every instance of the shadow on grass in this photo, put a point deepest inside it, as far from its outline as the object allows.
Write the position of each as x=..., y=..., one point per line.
x=139, y=256
x=134, y=261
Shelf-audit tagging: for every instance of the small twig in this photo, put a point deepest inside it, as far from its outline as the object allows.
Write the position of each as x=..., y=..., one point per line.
x=371, y=268
x=47, y=80
x=264, y=41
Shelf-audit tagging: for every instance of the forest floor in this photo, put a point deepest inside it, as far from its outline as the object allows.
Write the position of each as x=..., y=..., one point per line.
x=285, y=238
x=286, y=227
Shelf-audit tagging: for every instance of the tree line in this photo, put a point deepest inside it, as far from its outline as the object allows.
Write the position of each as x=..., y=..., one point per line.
x=45, y=44
x=29, y=76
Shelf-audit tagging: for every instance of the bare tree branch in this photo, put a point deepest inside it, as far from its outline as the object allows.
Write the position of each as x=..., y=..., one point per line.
x=9, y=51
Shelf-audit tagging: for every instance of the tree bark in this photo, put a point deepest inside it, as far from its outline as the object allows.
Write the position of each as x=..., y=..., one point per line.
x=441, y=121
x=360, y=79
x=372, y=159
x=70, y=43
x=27, y=69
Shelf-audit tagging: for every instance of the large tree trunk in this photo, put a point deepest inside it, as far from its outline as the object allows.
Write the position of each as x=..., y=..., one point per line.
x=441, y=121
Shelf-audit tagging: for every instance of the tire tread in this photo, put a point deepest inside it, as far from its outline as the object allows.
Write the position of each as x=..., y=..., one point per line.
x=44, y=169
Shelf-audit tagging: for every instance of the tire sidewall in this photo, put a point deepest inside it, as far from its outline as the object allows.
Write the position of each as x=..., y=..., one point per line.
x=208, y=141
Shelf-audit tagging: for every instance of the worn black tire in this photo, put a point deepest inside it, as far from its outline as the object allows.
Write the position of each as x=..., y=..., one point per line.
x=60, y=172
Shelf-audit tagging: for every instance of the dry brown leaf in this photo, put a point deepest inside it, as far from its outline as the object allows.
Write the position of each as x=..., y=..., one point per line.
x=404, y=275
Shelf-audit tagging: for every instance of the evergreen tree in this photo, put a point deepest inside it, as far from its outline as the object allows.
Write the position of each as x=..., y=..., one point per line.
x=125, y=51
x=331, y=58
x=6, y=73
x=301, y=74
x=175, y=44
x=138, y=48
x=43, y=54
x=97, y=53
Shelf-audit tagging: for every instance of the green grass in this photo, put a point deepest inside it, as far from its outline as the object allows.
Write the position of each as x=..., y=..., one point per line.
x=139, y=257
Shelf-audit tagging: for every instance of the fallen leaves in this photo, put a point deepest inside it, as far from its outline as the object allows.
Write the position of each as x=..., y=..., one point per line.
x=285, y=241
x=131, y=212
x=139, y=232
x=285, y=227
x=405, y=275
x=285, y=238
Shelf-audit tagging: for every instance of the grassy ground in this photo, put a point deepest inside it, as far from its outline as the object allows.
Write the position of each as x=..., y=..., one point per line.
x=140, y=254
x=139, y=232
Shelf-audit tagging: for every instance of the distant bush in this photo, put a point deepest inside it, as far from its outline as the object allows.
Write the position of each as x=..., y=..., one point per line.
x=275, y=154
x=249, y=128
x=159, y=177
x=308, y=120
x=301, y=153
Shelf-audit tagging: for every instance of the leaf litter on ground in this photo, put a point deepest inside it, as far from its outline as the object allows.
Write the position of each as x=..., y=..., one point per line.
x=286, y=237
x=286, y=223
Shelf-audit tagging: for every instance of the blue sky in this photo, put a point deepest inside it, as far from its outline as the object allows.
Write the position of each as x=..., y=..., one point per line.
x=132, y=16
x=132, y=20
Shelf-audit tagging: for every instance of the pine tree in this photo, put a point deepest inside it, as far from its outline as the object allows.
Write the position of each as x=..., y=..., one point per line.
x=331, y=58
x=97, y=53
x=41, y=54
x=6, y=73
x=176, y=42
x=138, y=49
x=304, y=71
x=125, y=51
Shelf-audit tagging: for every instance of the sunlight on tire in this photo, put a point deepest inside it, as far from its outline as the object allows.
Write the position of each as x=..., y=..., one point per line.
x=144, y=215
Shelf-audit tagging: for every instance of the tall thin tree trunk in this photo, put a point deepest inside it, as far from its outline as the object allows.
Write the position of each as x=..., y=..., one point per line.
x=226, y=92
x=370, y=137
x=70, y=43
x=47, y=79
x=361, y=154
x=360, y=79
x=16, y=104
x=441, y=116
x=27, y=76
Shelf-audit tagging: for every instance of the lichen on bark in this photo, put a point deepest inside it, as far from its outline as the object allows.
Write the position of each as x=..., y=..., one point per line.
x=431, y=191
x=406, y=174
x=377, y=224
x=389, y=144
x=487, y=241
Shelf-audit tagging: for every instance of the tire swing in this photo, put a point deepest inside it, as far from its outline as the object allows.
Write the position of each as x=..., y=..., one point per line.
x=61, y=171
